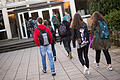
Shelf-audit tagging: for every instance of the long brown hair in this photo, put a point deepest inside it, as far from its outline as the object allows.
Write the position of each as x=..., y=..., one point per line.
x=95, y=17
x=77, y=21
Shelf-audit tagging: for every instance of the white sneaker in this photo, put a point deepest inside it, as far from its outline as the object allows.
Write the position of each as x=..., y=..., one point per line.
x=85, y=69
x=53, y=73
x=109, y=68
x=44, y=71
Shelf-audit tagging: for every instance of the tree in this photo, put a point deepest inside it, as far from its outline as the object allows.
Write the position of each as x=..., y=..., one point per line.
x=104, y=6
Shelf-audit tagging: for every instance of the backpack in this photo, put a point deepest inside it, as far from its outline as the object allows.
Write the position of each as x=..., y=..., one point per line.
x=44, y=37
x=103, y=28
x=62, y=30
x=82, y=37
x=30, y=24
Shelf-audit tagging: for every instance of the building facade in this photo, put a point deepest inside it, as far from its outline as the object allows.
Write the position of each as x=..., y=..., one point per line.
x=15, y=13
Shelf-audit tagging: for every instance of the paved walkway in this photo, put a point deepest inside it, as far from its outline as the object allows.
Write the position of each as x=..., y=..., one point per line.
x=26, y=64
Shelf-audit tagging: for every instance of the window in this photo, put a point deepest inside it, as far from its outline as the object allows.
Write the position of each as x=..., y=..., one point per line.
x=1, y=22
x=82, y=6
x=3, y=34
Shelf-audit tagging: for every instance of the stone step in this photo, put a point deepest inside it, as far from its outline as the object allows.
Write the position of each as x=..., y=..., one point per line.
x=16, y=45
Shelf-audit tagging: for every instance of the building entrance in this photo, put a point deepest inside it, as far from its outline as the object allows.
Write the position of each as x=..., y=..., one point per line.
x=3, y=34
x=45, y=14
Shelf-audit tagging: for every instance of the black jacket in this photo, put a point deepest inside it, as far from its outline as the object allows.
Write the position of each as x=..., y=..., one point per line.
x=75, y=35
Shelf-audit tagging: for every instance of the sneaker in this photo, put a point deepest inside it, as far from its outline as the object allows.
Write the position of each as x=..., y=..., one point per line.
x=85, y=69
x=54, y=58
x=109, y=68
x=53, y=73
x=44, y=71
x=68, y=55
x=97, y=65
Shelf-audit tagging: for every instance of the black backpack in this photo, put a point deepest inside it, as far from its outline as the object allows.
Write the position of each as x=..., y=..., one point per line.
x=30, y=24
x=82, y=36
x=44, y=37
x=62, y=30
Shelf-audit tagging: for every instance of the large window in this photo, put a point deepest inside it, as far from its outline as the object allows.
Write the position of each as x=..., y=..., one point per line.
x=82, y=6
x=13, y=24
x=3, y=34
x=1, y=22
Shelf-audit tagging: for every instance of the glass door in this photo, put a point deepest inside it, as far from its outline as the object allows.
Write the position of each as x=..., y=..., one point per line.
x=46, y=15
x=34, y=14
x=23, y=22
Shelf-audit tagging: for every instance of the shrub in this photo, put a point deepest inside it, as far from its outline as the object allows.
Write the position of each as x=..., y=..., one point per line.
x=104, y=6
x=113, y=19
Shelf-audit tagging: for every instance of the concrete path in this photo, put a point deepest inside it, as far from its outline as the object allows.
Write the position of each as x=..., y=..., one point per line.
x=26, y=64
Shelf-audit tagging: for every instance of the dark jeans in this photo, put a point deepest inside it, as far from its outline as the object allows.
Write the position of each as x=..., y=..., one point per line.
x=28, y=33
x=83, y=51
x=66, y=43
x=107, y=56
x=53, y=50
x=55, y=28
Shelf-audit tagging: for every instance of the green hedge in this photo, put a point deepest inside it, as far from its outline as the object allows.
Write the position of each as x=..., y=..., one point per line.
x=113, y=19
x=103, y=6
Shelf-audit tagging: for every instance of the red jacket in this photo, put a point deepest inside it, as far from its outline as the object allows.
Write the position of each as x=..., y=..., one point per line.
x=36, y=34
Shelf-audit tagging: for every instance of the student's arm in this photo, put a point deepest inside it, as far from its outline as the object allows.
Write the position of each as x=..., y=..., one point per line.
x=36, y=37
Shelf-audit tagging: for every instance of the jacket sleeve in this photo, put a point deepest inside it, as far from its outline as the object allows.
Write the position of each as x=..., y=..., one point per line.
x=50, y=35
x=87, y=32
x=73, y=37
x=36, y=37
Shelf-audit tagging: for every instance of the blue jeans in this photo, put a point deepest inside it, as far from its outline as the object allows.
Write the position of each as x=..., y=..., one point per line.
x=43, y=50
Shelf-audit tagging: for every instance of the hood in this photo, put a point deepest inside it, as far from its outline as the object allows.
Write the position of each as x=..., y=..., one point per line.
x=41, y=26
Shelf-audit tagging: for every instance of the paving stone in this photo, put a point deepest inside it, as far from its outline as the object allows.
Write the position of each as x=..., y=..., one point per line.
x=61, y=77
x=114, y=77
x=28, y=65
x=97, y=78
x=78, y=77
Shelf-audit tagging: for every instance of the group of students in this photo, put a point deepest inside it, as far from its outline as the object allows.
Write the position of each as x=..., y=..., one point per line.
x=77, y=32
x=31, y=25
x=99, y=39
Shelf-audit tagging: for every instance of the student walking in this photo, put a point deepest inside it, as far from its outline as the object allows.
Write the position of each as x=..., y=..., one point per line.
x=101, y=39
x=80, y=38
x=65, y=34
x=68, y=17
x=43, y=39
x=55, y=22
x=47, y=24
x=30, y=27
